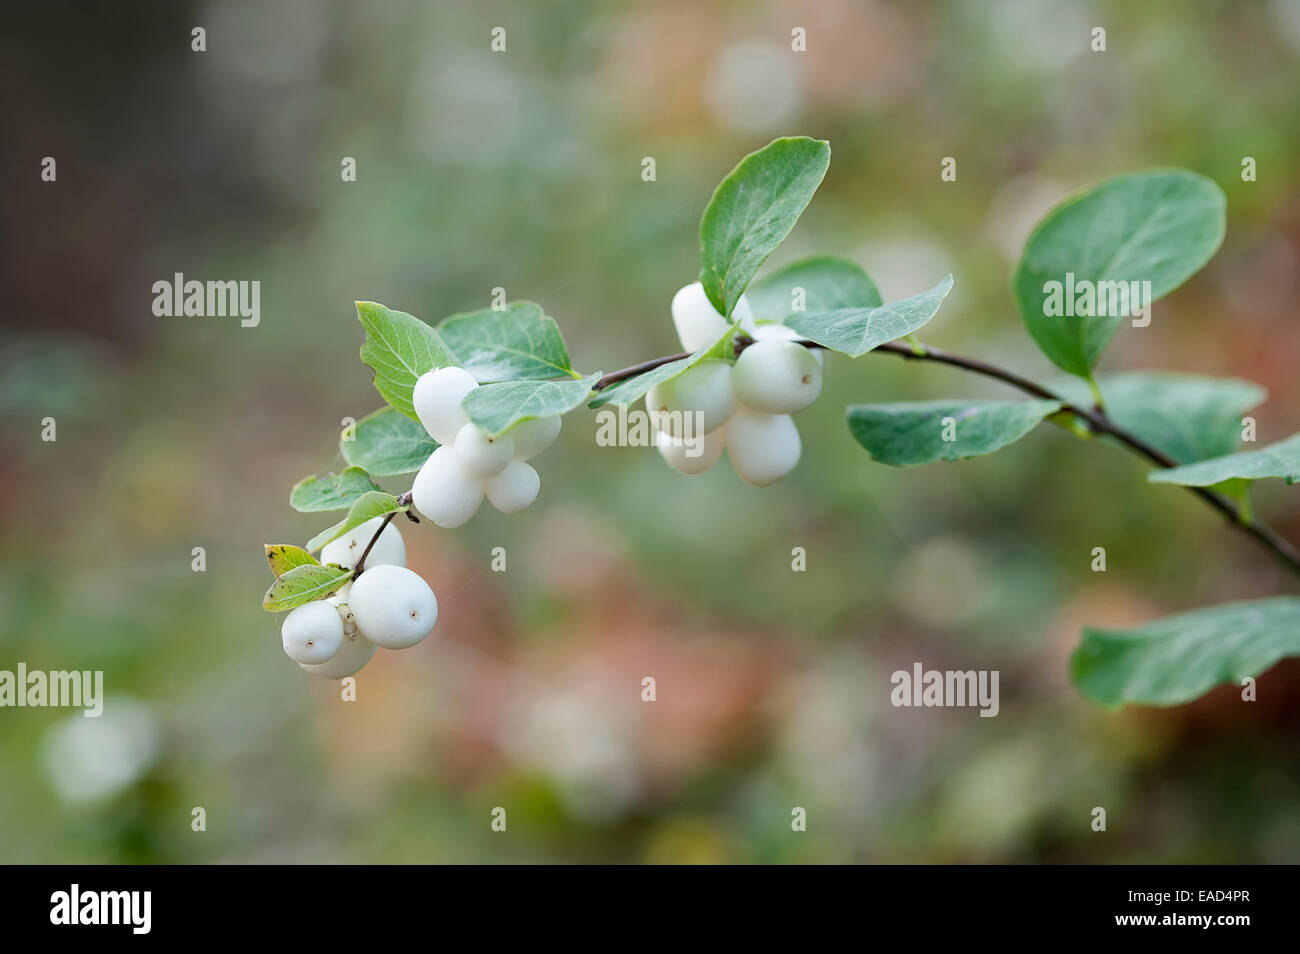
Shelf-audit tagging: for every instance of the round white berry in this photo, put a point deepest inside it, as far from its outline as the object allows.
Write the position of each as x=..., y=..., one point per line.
x=348, y=661
x=437, y=398
x=347, y=549
x=312, y=633
x=393, y=606
x=533, y=437
x=776, y=377
x=763, y=447
x=706, y=448
x=482, y=455
x=705, y=388
x=514, y=488
x=697, y=322
x=444, y=491
x=770, y=330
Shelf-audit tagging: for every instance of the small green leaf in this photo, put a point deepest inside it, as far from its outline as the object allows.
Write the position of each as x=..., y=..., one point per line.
x=331, y=492
x=1276, y=460
x=633, y=389
x=855, y=331
x=374, y=504
x=753, y=210
x=1159, y=226
x=829, y=283
x=910, y=433
x=498, y=407
x=303, y=584
x=400, y=348
x=520, y=343
x=283, y=557
x=387, y=443
x=1186, y=416
x=1173, y=660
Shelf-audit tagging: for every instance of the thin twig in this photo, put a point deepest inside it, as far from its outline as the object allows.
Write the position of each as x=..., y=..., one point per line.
x=1096, y=419
x=361, y=564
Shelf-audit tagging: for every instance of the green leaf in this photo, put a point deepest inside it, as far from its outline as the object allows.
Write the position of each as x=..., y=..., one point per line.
x=1159, y=226
x=498, y=407
x=828, y=283
x=303, y=584
x=374, y=504
x=283, y=557
x=331, y=492
x=630, y=390
x=910, y=433
x=400, y=348
x=1175, y=659
x=519, y=343
x=1276, y=460
x=1187, y=416
x=753, y=210
x=855, y=331
x=387, y=443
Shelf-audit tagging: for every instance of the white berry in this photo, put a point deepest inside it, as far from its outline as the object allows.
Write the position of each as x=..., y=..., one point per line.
x=437, y=398
x=350, y=659
x=482, y=455
x=347, y=549
x=444, y=491
x=705, y=388
x=393, y=606
x=677, y=452
x=312, y=633
x=514, y=488
x=697, y=322
x=533, y=437
x=777, y=377
x=763, y=447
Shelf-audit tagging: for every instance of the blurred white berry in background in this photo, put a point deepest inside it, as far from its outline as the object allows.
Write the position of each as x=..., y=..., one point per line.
x=89, y=760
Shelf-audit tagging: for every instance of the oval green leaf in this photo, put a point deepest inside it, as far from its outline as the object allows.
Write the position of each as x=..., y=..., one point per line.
x=498, y=407
x=1276, y=460
x=820, y=283
x=753, y=210
x=303, y=584
x=331, y=492
x=283, y=557
x=1158, y=226
x=909, y=433
x=520, y=342
x=1176, y=659
x=855, y=331
x=387, y=443
x=399, y=348
x=1187, y=416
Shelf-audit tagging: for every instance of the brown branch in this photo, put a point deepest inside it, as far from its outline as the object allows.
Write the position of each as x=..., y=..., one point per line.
x=1095, y=418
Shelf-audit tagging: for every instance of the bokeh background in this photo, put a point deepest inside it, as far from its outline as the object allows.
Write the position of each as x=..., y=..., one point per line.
x=523, y=170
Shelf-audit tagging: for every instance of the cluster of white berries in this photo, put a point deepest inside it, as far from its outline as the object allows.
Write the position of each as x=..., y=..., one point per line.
x=387, y=606
x=470, y=464
x=745, y=407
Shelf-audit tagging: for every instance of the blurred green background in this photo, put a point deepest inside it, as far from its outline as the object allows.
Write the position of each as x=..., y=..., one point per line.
x=523, y=170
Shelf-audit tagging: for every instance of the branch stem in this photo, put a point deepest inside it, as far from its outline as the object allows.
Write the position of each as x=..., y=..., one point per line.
x=1095, y=417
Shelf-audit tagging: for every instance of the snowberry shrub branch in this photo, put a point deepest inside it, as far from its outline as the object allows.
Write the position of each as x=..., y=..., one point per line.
x=472, y=401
